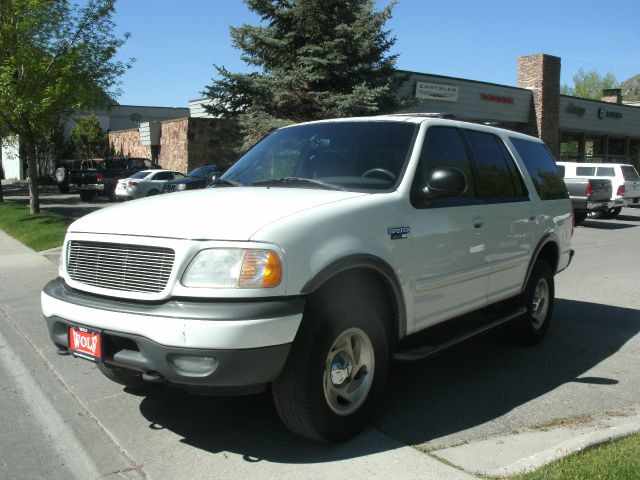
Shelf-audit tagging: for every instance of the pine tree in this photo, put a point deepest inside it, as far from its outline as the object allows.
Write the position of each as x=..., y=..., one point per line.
x=314, y=59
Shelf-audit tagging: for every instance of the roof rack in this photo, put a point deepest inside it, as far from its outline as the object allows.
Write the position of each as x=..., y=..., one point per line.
x=445, y=115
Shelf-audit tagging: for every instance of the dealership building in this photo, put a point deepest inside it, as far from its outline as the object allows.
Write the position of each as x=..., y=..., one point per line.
x=574, y=129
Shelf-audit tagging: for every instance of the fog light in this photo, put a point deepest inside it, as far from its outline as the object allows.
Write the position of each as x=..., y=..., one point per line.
x=195, y=365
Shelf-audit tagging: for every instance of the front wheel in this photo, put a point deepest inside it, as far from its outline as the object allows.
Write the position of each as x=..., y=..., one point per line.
x=336, y=370
x=538, y=298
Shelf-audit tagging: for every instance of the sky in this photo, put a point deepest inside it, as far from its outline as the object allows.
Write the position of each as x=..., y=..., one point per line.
x=177, y=42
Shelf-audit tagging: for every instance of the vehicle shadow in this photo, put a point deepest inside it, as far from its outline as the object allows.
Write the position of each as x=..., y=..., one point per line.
x=474, y=383
x=606, y=225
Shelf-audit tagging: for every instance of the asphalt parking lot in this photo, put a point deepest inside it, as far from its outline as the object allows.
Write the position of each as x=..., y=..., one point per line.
x=582, y=375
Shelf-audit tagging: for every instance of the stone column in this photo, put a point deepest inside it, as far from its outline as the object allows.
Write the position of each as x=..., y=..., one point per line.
x=541, y=74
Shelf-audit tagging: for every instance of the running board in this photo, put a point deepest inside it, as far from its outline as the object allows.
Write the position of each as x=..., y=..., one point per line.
x=428, y=350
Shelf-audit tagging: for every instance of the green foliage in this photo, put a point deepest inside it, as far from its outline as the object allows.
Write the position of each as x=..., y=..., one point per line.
x=56, y=57
x=315, y=59
x=40, y=232
x=88, y=138
x=631, y=88
x=617, y=460
x=589, y=84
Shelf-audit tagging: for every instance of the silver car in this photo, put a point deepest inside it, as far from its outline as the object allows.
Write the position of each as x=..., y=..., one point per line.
x=145, y=183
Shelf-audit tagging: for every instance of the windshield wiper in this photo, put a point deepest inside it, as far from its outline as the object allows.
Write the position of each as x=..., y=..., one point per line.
x=226, y=182
x=297, y=182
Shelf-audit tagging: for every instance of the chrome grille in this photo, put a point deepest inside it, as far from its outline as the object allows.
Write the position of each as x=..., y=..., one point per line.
x=129, y=268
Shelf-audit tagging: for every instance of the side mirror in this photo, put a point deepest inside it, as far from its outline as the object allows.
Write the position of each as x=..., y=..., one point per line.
x=445, y=182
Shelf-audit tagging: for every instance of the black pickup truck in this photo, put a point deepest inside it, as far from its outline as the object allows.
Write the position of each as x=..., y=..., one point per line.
x=99, y=177
x=589, y=195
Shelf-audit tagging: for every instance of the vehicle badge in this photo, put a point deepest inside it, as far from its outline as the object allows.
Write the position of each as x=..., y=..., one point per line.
x=397, y=233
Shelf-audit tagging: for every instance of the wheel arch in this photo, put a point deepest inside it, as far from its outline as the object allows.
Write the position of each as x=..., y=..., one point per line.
x=374, y=268
x=548, y=249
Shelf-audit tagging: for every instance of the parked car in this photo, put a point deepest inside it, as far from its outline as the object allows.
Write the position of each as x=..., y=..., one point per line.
x=329, y=247
x=99, y=177
x=625, y=182
x=145, y=183
x=198, y=178
x=588, y=195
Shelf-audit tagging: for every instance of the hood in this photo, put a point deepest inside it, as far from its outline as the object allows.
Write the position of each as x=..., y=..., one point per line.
x=232, y=213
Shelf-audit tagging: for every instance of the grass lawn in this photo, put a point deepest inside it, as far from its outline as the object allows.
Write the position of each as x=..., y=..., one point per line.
x=619, y=460
x=39, y=232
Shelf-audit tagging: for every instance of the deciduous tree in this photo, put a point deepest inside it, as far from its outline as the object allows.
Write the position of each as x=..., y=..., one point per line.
x=88, y=137
x=56, y=57
x=589, y=84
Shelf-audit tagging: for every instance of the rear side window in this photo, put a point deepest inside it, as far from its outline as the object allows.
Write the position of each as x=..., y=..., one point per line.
x=629, y=173
x=498, y=179
x=542, y=168
x=561, y=170
x=605, y=172
x=586, y=171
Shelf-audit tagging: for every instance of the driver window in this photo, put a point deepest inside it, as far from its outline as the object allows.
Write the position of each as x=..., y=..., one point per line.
x=444, y=147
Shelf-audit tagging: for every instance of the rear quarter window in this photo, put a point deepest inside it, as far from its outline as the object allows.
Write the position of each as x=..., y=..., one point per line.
x=629, y=173
x=542, y=168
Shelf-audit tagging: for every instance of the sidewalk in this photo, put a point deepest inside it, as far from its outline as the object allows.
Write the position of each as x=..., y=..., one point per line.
x=503, y=455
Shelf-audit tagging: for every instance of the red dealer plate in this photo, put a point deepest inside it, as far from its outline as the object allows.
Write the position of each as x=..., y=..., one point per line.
x=85, y=343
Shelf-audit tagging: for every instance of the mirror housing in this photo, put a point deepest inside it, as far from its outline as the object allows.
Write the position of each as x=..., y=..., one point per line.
x=445, y=182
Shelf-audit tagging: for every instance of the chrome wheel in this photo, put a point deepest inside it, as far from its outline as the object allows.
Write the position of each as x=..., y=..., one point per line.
x=348, y=372
x=540, y=303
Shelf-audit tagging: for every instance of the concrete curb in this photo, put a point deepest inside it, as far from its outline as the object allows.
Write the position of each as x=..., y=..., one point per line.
x=518, y=453
x=565, y=448
x=52, y=254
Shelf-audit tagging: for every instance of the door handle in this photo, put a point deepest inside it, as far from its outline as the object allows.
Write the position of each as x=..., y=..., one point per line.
x=478, y=223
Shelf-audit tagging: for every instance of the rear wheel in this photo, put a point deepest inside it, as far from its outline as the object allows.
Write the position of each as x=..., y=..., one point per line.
x=128, y=378
x=87, y=196
x=580, y=217
x=538, y=298
x=612, y=212
x=152, y=193
x=336, y=370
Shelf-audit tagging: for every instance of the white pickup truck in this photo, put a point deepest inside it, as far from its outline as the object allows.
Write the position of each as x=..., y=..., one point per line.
x=314, y=260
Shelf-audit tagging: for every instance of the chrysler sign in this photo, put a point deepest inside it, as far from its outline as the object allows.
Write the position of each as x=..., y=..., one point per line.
x=436, y=91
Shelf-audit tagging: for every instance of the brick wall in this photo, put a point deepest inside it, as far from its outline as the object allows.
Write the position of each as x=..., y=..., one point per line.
x=185, y=143
x=541, y=74
x=126, y=143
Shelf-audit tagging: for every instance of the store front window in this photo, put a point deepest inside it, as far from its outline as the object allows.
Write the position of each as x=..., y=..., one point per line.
x=594, y=149
x=569, y=147
x=634, y=153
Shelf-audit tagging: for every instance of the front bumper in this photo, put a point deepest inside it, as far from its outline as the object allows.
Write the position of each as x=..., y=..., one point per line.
x=249, y=340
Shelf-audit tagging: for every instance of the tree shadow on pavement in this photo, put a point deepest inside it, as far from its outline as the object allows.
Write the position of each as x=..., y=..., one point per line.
x=467, y=386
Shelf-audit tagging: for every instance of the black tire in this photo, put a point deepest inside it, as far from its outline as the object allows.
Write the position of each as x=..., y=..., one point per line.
x=63, y=188
x=151, y=193
x=538, y=298
x=611, y=213
x=306, y=395
x=111, y=193
x=87, y=196
x=580, y=217
x=128, y=378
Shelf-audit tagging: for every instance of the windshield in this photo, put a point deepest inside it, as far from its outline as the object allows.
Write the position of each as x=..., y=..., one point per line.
x=350, y=155
x=200, y=172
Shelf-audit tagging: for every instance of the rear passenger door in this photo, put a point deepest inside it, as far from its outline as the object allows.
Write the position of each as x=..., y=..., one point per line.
x=510, y=222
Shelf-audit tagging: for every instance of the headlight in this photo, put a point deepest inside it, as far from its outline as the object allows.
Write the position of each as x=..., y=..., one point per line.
x=234, y=268
x=181, y=186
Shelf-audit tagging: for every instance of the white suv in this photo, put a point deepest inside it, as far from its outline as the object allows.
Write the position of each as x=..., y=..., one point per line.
x=625, y=182
x=313, y=261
